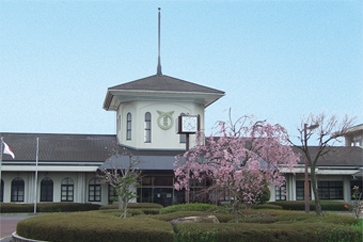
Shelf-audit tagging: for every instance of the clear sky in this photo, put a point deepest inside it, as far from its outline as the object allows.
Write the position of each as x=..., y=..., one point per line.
x=274, y=59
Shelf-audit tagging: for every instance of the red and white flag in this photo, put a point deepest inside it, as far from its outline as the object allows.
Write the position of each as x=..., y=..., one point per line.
x=8, y=151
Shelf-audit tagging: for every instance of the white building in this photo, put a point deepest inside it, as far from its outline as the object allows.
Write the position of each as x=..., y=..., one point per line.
x=146, y=119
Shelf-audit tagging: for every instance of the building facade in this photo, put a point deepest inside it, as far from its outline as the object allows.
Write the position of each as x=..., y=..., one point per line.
x=146, y=113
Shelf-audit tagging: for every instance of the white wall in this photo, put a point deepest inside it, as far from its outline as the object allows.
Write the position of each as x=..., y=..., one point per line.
x=160, y=138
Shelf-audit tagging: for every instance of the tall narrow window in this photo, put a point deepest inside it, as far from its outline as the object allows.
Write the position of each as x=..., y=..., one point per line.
x=46, y=190
x=147, y=131
x=17, y=190
x=300, y=190
x=94, y=190
x=280, y=193
x=2, y=191
x=67, y=190
x=128, y=128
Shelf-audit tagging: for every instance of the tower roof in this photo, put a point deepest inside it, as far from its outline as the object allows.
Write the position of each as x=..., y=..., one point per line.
x=160, y=86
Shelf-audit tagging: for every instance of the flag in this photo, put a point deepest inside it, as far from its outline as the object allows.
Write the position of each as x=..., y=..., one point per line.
x=8, y=151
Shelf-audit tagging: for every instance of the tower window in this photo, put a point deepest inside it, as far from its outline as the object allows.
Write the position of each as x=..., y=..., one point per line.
x=147, y=128
x=128, y=128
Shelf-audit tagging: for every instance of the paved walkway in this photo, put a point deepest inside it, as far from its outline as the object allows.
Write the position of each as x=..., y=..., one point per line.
x=8, y=224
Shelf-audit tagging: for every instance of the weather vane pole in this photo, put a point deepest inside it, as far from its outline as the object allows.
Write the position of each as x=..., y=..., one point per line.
x=159, y=65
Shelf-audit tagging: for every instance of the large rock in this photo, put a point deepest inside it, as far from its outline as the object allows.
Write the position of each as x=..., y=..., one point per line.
x=196, y=219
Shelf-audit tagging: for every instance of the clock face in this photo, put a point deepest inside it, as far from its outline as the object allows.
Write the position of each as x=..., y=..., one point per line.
x=189, y=124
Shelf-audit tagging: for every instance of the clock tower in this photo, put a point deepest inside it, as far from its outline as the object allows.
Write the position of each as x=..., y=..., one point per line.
x=147, y=111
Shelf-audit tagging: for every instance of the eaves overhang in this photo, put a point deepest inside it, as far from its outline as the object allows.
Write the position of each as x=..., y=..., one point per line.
x=324, y=170
x=115, y=97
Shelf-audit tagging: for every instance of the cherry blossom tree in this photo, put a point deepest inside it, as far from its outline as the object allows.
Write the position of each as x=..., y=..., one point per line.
x=239, y=158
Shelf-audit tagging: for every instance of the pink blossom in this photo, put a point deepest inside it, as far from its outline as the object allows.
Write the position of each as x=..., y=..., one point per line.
x=239, y=158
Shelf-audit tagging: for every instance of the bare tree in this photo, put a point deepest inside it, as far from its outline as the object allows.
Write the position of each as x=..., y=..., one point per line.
x=121, y=177
x=327, y=131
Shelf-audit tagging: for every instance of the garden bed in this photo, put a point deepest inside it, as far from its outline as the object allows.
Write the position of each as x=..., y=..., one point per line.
x=254, y=225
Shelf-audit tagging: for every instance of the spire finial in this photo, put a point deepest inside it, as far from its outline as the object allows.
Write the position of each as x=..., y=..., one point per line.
x=159, y=64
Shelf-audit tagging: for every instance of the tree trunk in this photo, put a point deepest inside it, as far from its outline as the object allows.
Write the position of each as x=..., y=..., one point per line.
x=236, y=208
x=318, y=209
x=120, y=203
x=126, y=202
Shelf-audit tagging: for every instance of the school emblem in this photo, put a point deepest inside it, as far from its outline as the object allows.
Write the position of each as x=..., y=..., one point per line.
x=165, y=120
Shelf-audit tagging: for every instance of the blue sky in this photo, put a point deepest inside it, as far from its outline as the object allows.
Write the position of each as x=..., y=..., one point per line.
x=277, y=60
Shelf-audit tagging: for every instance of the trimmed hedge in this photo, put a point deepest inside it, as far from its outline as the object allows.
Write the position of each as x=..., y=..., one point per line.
x=118, y=212
x=294, y=232
x=47, y=207
x=151, y=211
x=94, y=227
x=268, y=206
x=134, y=205
x=187, y=207
x=181, y=214
x=283, y=216
x=255, y=225
x=326, y=205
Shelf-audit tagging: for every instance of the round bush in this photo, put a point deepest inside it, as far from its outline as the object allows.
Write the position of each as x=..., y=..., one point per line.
x=94, y=227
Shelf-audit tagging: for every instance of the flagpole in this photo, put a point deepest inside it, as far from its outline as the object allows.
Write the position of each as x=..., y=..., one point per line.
x=1, y=155
x=36, y=177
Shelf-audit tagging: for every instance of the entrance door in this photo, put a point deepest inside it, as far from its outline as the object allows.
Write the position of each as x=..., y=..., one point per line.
x=163, y=196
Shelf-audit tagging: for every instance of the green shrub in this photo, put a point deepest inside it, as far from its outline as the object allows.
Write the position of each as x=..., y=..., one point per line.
x=181, y=214
x=47, y=207
x=145, y=205
x=283, y=216
x=294, y=232
x=151, y=211
x=187, y=207
x=224, y=218
x=268, y=206
x=118, y=212
x=94, y=227
x=134, y=205
x=326, y=205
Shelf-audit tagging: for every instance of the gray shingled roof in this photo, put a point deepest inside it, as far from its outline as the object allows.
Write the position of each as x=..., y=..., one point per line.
x=162, y=83
x=339, y=156
x=160, y=86
x=58, y=147
x=92, y=148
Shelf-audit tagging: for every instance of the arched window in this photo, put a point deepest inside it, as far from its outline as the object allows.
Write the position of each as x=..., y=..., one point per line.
x=17, y=190
x=147, y=128
x=94, y=190
x=46, y=190
x=67, y=190
x=2, y=191
x=128, y=128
